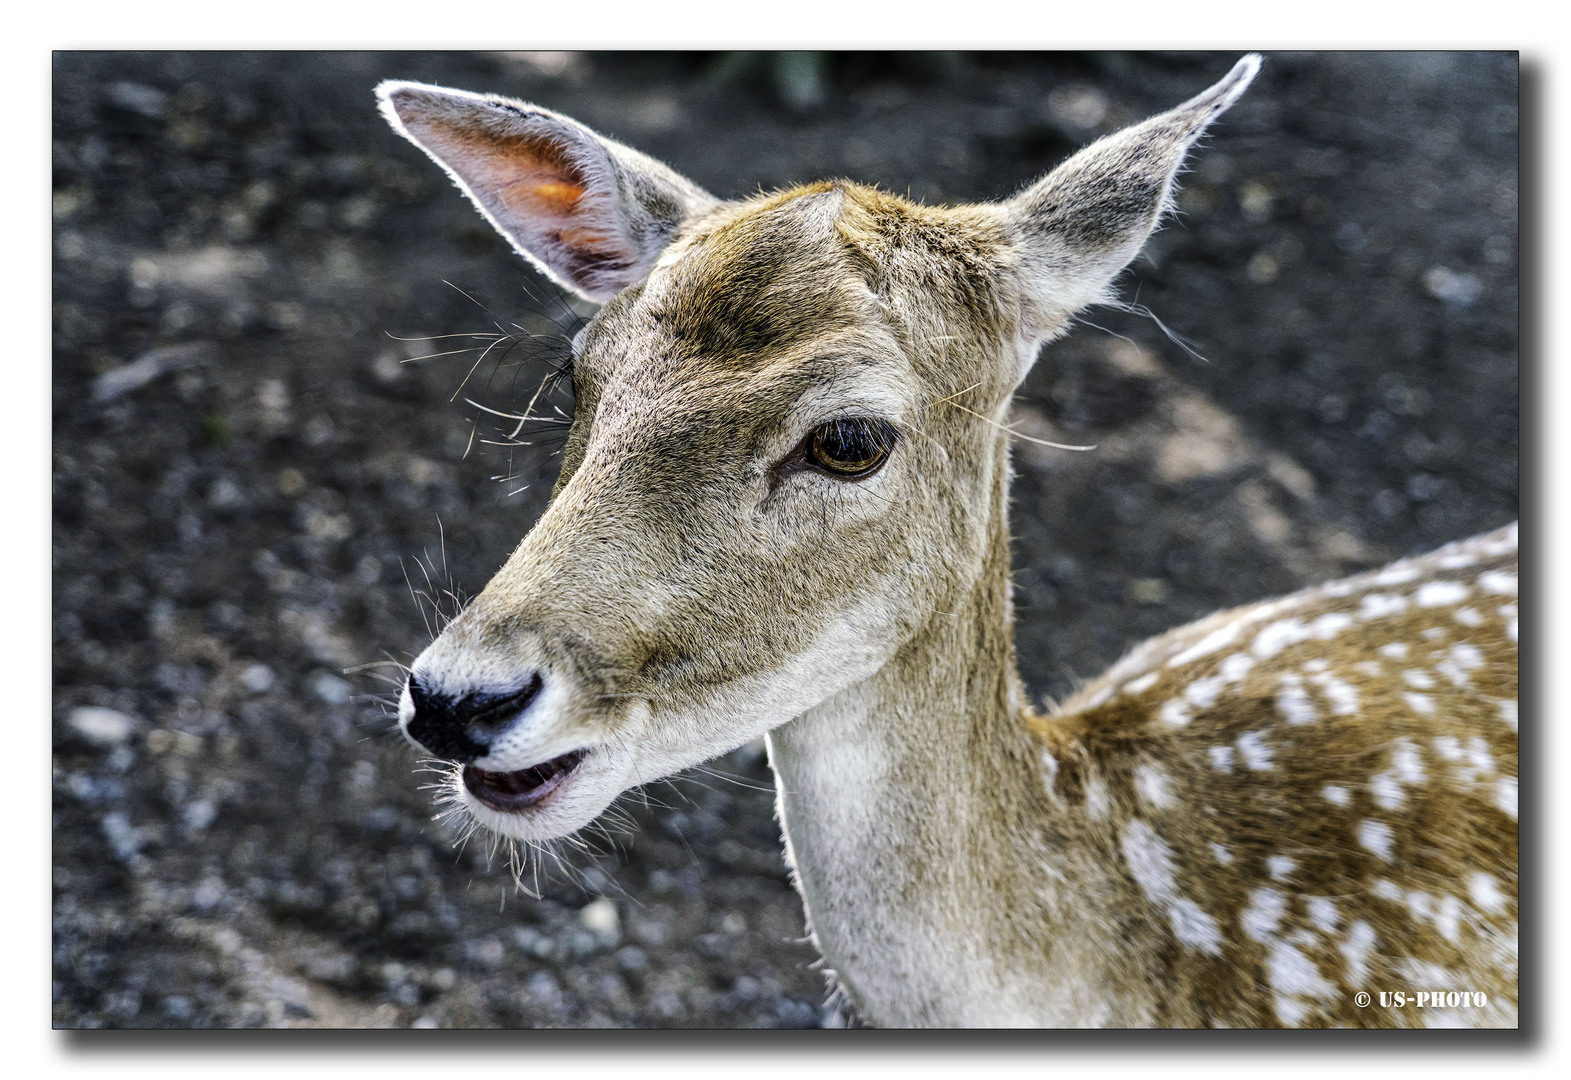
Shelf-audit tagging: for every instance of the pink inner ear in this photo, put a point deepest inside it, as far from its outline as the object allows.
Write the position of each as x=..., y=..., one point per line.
x=541, y=193
x=541, y=197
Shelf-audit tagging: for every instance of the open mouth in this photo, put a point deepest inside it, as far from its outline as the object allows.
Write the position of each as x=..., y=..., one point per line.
x=510, y=792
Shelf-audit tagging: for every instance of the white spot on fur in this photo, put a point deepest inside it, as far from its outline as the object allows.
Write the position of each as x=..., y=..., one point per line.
x=1420, y=905
x=1153, y=787
x=1264, y=913
x=1293, y=973
x=1150, y=861
x=1202, y=692
x=1464, y=657
x=1253, y=749
x=1508, y=711
x=1440, y=593
x=1290, y=1011
x=1292, y=701
x=1355, y=950
x=1505, y=795
x=1050, y=774
x=1398, y=575
x=1386, y=792
x=1407, y=763
x=1336, y=793
x=1457, y=560
x=1280, y=866
x=1343, y=698
x=1304, y=939
x=1194, y=928
x=1381, y=606
x=1142, y=684
x=1371, y=668
x=1323, y=913
x=1419, y=679
x=1478, y=755
x=1376, y=837
x=1448, y=747
x=1497, y=581
x=1386, y=890
x=1422, y=704
x=1468, y=616
x=1316, y=666
x=1434, y=633
x=1235, y=667
x=1396, y=650
x=1223, y=856
x=1278, y=636
x=1097, y=802
x=1448, y=918
x=1330, y=625
x=1175, y=712
x=1222, y=758
x=1511, y=630
x=1486, y=893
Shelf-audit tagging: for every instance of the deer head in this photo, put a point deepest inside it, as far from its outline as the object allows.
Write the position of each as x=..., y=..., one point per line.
x=787, y=457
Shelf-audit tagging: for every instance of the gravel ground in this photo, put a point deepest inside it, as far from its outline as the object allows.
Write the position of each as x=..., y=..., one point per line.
x=254, y=494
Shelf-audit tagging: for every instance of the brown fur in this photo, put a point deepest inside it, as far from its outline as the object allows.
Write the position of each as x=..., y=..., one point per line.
x=961, y=860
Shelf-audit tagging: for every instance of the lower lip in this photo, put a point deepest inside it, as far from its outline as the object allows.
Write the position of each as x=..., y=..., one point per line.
x=515, y=792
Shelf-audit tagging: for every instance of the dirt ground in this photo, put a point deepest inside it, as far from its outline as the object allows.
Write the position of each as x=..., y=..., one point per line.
x=253, y=494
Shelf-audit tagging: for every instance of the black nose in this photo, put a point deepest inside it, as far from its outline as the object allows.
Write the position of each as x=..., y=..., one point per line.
x=463, y=728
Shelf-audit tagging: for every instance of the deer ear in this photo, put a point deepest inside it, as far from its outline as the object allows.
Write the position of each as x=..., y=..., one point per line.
x=1080, y=225
x=592, y=214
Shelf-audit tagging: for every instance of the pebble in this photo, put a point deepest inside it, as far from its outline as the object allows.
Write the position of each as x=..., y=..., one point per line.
x=257, y=678
x=600, y=918
x=329, y=688
x=101, y=727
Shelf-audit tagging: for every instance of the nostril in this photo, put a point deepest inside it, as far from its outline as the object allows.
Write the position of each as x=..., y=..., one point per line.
x=463, y=728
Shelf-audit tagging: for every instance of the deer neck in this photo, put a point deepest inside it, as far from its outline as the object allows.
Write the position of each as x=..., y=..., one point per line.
x=911, y=803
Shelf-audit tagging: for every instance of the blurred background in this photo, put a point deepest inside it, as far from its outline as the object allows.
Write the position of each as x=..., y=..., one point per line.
x=264, y=481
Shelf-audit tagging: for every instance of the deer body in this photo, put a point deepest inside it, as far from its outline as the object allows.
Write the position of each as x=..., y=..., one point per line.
x=783, y=511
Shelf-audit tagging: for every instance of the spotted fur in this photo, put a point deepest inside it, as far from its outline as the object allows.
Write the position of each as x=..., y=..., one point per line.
x=1370, y=829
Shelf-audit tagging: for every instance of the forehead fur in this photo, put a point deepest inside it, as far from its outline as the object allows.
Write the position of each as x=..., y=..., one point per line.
x=756, y=278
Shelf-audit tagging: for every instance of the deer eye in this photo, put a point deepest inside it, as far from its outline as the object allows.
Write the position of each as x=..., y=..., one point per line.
x=852, y=448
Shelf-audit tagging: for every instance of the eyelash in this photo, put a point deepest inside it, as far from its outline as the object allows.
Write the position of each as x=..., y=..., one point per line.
x=874, y=439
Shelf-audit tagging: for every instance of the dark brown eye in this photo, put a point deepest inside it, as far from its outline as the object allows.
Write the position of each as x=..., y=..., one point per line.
x=851, y=448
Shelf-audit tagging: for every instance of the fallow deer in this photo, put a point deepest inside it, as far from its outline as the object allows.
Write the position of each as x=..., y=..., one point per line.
x=782, y=511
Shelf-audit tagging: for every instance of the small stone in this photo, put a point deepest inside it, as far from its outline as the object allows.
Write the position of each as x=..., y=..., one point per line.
x=329, y=688
x=143, y=100
x=149, y=366
x=599, y=918
x=101, y=727
x=291, y=482
x=257, y=678
x=1452, y=288
x=1147, y=591
x=1263, y=268
x=207, y=895
x=1079, y=107
x=200, y=814
x=1255, y=199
